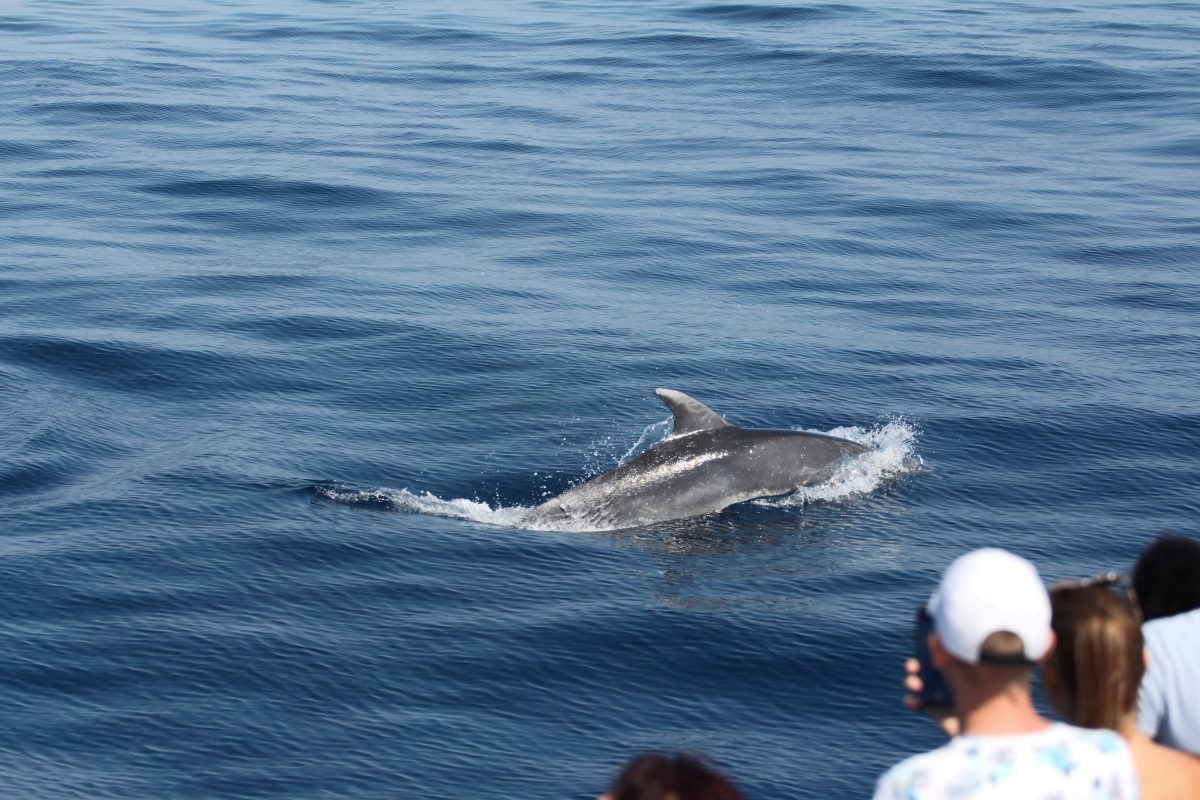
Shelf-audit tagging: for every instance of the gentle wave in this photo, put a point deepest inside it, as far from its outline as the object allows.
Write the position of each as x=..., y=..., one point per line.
x=430, y=249
x=755, y=12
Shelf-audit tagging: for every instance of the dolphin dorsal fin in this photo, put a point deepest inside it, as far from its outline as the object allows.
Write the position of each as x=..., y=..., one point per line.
x=690, y=414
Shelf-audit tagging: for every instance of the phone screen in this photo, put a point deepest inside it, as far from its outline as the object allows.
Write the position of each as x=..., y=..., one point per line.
x=934, y=692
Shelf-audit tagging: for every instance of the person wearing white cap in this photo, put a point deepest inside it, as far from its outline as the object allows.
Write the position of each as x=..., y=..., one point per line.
x=991, y=626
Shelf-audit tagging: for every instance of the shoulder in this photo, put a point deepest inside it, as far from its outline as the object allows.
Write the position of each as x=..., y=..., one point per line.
x=1100, y=739
x=1078, y=761
x=1172, y=643
x=1091, y=743
x=1172, y=772
x=914, y=773
x=962, y=768
x=1185, y=624
x=1068, y=751
x=1096, y=756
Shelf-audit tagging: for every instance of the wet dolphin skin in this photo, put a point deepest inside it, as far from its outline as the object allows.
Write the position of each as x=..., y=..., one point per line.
x=705, y=465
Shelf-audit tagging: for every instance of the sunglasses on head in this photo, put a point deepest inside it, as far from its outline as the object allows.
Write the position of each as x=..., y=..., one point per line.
x=1109, y=580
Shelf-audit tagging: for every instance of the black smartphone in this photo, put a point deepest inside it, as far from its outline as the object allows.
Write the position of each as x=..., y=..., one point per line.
x=935, y=694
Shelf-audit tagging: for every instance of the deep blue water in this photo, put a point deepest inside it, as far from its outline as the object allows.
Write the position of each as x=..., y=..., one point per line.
x=302, y=302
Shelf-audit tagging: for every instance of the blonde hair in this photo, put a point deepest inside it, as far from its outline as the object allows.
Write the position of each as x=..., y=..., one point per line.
x=1098, y=658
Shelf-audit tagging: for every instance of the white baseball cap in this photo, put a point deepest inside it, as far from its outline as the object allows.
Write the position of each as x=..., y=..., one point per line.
x=986, y=591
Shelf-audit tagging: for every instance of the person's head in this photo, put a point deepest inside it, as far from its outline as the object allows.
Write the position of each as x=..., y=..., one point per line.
x=670, y=776
x=991, y=622
x=1093, y=675
x=1166, y=577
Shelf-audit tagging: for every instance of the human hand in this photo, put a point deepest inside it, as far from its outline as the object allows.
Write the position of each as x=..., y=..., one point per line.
x=946, y=719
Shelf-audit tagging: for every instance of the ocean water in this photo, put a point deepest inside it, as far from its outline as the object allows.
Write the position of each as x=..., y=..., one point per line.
x=303, y=302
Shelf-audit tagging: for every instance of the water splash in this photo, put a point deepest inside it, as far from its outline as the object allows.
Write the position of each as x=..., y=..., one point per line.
x=892, y=454
x=652, y=434
x=424, y=503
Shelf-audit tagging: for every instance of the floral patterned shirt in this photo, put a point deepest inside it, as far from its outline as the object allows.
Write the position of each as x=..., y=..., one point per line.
x=1059, y=763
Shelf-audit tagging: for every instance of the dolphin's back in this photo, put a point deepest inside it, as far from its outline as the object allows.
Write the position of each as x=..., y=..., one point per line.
x=699, y=472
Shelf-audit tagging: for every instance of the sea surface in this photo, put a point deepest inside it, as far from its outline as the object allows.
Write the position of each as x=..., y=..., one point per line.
x=303, y=303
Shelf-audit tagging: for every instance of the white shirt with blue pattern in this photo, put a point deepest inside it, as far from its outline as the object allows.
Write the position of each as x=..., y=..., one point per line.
x=1061, y=762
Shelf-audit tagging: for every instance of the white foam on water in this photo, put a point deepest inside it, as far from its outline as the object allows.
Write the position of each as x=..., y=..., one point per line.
x=892, y=453
x=427, y=503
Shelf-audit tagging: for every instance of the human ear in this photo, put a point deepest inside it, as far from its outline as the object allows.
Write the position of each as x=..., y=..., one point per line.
x=937, y=654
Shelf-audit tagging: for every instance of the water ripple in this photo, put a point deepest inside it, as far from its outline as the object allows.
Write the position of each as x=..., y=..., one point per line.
x=749, y=12
x=260, y=258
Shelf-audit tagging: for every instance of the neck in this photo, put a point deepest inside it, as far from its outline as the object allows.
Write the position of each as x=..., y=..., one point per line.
x=1129, y=730
x=1003, y=713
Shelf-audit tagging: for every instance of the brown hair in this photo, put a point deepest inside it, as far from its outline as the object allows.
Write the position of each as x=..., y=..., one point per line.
x=661, y=776
x=1098, y=658
x=1003, y=647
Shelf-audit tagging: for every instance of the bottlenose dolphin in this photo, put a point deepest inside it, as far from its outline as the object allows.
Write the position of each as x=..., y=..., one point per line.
x=705, y=465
